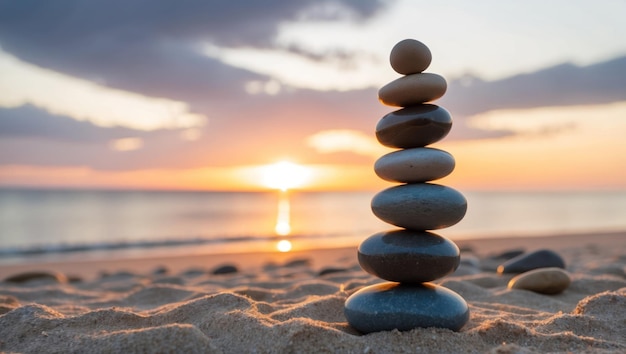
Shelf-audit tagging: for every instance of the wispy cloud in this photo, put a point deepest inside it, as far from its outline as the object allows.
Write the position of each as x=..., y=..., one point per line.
x=332, y=141
x=61, y=94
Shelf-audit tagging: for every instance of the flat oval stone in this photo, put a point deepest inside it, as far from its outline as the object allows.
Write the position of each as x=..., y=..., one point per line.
x=533, y=260
x=408, y=256
x=413, y=89
x=51, y=276
x=388, y=306
x=225, y=269
x=543, y=280
x=414, y=126
x=410, y=56
x=420, y=206
x=414, y=165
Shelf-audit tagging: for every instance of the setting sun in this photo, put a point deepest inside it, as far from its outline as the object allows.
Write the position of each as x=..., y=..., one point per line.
x=285, y=175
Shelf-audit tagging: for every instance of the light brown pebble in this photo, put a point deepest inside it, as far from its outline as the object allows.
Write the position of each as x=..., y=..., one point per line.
x=414, y=165
x=543, y=280
x=413, y=89
x=410, y=56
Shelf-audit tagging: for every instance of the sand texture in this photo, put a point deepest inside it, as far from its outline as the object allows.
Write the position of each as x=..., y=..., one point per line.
x=295, y=305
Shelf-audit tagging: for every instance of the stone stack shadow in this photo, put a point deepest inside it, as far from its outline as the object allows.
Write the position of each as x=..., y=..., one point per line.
x=411, y=256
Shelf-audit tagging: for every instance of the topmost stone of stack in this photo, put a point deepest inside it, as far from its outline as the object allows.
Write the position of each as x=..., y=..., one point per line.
x=410, y=56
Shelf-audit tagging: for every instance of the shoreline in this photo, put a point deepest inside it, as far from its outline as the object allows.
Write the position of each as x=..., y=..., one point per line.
x=89, y=268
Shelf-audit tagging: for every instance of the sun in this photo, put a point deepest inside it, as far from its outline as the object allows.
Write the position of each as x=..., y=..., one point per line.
x=285, y=175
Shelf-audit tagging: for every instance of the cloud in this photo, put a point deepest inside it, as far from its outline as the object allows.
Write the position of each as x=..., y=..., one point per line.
x=560, y=85
x=154, y=47
x=126, y=144
x=331, y=141
x=30, y=122
x=256, y=129
x=31, y=136
x=84, y=100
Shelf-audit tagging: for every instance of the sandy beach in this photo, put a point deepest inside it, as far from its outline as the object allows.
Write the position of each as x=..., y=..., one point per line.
x=293, y=303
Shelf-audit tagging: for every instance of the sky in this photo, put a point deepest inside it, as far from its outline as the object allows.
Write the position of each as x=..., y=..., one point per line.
x=222, y=95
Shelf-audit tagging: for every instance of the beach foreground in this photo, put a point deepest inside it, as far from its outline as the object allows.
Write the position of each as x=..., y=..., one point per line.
x=285, y=303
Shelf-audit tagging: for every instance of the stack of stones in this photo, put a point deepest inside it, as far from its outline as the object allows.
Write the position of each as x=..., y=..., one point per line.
x=410, y=257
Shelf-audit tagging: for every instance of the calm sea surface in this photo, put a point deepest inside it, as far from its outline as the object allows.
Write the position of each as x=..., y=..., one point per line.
x=56, y=224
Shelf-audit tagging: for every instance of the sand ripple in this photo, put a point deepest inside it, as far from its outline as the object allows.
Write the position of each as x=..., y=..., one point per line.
x=280, y=310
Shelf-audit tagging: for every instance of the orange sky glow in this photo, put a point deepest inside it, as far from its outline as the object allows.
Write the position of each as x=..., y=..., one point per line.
x=585, y=157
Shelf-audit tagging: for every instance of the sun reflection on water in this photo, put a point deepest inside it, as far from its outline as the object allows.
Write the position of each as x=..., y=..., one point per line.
x=283, y=246
x=283, y=224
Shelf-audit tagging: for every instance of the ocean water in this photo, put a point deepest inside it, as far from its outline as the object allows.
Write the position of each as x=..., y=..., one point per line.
x=72, y=224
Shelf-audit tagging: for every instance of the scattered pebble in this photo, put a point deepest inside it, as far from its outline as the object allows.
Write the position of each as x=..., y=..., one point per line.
x=305, y=262
x=491, y=263
x=160, y=270
x=24, y=277
x=543, y=280
x=327, y=271
x=528, y=261
x=74, y=279
x=506, y=255
x=225, y=269
x=466, y=249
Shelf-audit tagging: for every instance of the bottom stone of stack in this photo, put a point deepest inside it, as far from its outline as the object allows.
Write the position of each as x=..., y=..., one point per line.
x=388, y=306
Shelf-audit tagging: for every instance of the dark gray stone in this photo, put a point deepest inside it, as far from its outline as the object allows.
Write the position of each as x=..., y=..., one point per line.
x=414, y=126
x=225, y=269
x=331, y=270
x=160, y=270
x=408, y=256
x=420, y=206
x=528, y=261
x=50, y=276
x=388, y=306
x=491, y=263
x=506, y=255
x=304, y=262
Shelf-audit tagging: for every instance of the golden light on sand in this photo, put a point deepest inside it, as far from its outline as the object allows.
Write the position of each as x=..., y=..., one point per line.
x=283, y=246
x=285, y=175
